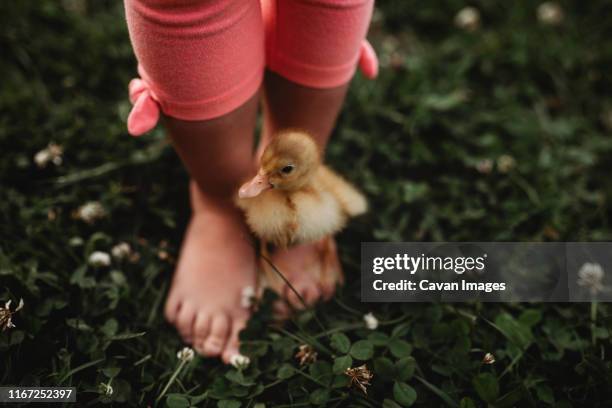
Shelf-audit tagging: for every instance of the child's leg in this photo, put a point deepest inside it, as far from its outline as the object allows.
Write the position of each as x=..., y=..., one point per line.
x=202, y=62
x=312, y=49
x=288, y=104
x=217, y=260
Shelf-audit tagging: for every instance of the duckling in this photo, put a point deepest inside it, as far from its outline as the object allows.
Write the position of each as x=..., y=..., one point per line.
x=296, y=199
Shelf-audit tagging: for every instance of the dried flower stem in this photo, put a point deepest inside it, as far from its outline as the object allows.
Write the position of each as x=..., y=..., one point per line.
x=172, y=379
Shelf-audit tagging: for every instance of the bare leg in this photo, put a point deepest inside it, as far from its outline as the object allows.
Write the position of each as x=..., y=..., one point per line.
x=289, y=105
x=217, y=260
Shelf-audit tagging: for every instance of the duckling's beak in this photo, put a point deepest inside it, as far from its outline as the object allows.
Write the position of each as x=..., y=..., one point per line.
x=254, y=187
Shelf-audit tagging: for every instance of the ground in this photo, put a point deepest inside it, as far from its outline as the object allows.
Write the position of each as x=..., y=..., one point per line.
x=500, y=132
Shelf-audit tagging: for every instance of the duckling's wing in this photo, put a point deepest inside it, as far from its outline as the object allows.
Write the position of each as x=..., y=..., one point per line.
x=351, y=200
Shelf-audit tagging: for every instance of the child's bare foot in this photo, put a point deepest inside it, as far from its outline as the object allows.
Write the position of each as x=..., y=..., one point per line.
x=216, y=263
x=312, y=269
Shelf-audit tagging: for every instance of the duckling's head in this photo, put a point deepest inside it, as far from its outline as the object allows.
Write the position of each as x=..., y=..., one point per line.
x=288, y=163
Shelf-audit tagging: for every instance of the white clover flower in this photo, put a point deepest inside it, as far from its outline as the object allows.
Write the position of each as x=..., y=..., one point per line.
x=90, y=212
x=51, y=214
x=247, y=297
x=52, y=153
x=42, y=158
x=164, y=255
x=550, y=13
x=121, y=251
x=99, y=258
x=484, y=166
x=505, y=163
x=591, y=276
x=76, y=241
x=239, y=361
x=106, y=389
x=371, y=321
x=186, y=354
x=488, y=359
x=468, y=18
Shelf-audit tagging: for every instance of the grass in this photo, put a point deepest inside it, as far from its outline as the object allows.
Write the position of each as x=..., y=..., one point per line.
x=500, y=134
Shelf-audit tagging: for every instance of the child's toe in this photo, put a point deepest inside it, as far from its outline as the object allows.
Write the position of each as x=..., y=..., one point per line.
x=217, y=338
x=171, y=308
x=311, y=294
x=201, y=329
x=233, y=343
x=281, y=310
x=293, y=298
x=184, y=321
x=327, y=290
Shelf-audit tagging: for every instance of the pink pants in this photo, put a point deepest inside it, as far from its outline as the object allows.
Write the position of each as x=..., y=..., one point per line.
x=200, y=59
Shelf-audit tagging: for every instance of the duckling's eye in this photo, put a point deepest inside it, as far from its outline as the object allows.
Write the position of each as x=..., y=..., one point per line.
x=287, y=169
